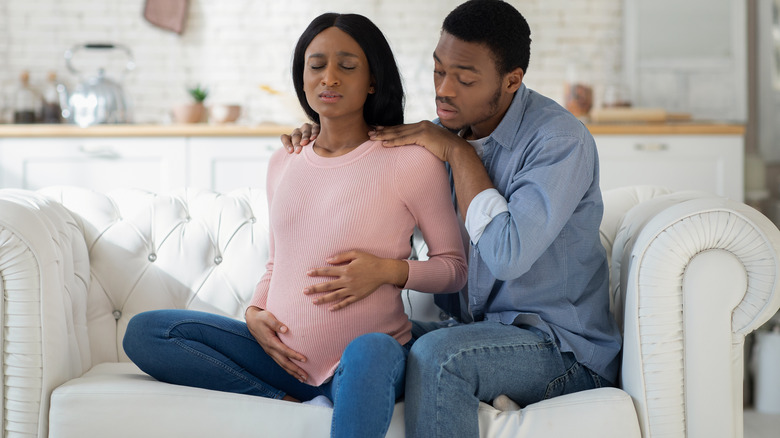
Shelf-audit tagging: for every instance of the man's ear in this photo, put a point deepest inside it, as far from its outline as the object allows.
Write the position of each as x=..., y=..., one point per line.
x=513, y=80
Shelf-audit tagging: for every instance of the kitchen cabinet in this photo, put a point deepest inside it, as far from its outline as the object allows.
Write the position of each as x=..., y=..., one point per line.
x=150, y=157
x=692, y=156
x=713, y=163
x=102, y=163
x=688, y=56
x=223, y=164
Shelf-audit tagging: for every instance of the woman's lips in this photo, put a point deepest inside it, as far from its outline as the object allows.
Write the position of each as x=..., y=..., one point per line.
x=330, y=96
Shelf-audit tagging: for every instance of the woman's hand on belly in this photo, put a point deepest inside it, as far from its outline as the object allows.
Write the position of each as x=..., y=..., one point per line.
x=356, y=275
x=264, y=327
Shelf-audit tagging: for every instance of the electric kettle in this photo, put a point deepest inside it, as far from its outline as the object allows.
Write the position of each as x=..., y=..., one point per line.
x=97, y=99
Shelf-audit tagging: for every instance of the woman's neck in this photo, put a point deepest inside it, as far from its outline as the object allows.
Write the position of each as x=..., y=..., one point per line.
x=338, y=137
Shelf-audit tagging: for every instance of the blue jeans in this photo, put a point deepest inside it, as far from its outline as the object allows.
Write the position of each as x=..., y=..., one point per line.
x=452, y=367
x=204, y=350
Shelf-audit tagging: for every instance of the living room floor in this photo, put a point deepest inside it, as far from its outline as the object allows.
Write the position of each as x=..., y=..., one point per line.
x=758, y=425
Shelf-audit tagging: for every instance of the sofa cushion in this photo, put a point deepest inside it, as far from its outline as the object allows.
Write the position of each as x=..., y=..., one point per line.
x=118, y=400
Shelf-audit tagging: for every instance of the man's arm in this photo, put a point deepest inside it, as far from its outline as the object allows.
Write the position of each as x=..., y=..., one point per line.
x=468, y=173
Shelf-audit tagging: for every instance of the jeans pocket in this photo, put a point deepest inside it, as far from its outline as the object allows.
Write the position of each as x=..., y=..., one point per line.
x=576, y=378
x=560, y=385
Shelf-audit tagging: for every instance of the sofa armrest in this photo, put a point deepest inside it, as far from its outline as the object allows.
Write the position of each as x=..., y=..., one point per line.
x=696, y=274
x=43, y=274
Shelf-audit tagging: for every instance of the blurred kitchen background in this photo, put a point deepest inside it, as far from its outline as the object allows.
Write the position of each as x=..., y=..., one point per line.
x=237, y=46
x=710, y=60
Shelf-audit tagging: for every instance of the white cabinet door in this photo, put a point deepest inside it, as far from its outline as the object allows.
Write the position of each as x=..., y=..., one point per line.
x=103, y=164
x=712, y=163
x=224, y=164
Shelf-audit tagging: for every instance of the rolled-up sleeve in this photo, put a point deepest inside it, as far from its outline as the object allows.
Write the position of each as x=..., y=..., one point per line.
x=542, y=196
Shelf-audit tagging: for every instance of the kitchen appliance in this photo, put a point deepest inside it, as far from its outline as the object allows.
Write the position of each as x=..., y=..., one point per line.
x=765, y=72
x=97, y=99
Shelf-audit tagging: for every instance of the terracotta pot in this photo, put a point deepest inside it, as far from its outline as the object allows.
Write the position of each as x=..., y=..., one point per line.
x=189, y=113
x=224, y=113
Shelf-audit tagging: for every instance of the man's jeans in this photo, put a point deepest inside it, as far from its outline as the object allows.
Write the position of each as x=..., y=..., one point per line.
x=451, y=367
x=209, y=351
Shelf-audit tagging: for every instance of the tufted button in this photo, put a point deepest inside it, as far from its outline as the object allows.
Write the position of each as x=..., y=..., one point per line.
x=117, y=314
x=253, y=219
x=218, y=259
x=152, y=257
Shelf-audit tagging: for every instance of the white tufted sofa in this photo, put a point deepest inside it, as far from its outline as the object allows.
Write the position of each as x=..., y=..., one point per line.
x=691, y=275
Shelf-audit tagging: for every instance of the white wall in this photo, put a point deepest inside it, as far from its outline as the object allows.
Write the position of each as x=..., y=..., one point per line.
x=234, y=46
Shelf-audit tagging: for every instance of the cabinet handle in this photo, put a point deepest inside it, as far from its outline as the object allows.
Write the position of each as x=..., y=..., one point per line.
x=651, y=147
x=100, y=151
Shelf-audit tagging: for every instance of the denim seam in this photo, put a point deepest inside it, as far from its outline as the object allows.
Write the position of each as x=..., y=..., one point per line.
x=336, y=398
x=261, y=388
x=399, y=367
x=562, y=379
x=452, y=357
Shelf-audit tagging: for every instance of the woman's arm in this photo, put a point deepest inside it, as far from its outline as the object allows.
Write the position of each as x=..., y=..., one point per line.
x=423, y=183
x=261, y=323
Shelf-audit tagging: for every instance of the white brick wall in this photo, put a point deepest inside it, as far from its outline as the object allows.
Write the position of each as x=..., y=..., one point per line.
x=234, y=46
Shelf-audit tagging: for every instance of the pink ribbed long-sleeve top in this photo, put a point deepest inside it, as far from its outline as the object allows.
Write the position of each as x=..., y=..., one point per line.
x=369, y=199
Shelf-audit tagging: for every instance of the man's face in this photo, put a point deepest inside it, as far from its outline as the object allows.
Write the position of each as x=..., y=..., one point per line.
x=469, y=90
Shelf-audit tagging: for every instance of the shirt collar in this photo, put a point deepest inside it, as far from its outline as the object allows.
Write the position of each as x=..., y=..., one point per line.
x=506, y=131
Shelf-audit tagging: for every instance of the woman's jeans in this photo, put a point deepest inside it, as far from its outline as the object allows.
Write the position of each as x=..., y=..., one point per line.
x=452, y=367
x=209, y=351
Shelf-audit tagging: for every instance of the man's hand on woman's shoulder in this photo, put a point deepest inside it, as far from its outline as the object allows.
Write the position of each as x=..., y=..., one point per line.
x=300, y=137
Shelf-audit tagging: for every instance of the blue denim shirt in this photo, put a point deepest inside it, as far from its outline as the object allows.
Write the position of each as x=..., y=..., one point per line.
x=541, y=262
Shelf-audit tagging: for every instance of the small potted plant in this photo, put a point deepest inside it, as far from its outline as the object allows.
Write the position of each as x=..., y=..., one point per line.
x=193, y=112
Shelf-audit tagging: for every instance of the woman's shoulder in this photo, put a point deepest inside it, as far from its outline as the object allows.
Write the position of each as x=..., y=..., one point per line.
x=412, y=153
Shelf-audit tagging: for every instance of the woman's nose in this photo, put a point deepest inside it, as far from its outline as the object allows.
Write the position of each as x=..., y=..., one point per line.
x=330, y=77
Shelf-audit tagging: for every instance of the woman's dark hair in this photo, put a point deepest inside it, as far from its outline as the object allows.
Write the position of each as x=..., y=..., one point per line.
x=385, y=107
x=497, y=25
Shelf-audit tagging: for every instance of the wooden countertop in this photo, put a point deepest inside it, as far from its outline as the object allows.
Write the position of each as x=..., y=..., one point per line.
x=680, y=128
x=143, y=130
x=232, y=130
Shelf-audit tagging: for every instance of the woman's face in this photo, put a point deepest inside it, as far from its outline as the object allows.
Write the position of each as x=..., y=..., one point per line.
x=336, y=76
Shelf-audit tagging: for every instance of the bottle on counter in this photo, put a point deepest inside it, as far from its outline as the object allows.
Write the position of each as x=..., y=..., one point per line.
x=27, y=101
x=52, y=110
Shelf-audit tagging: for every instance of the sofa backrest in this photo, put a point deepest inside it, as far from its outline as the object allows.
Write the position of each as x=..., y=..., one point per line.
x=188, y=249
x=201, y=250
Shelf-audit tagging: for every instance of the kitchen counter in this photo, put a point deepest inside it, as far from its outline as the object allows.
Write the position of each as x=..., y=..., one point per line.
x=143, y=130
x=671, y=128
x=232, y=130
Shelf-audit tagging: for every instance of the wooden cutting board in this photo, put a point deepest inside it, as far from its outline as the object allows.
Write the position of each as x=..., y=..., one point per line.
x=618, y=115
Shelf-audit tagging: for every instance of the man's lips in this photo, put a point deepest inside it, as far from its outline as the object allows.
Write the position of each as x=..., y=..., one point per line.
x=445, y=111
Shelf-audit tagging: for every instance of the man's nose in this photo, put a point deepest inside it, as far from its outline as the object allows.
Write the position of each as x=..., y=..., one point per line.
x=444, y=87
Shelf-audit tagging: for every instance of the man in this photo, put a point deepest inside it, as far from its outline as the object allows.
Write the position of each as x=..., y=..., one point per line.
x=533, y=321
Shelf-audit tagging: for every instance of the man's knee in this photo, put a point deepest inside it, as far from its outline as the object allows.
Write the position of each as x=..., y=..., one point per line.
x=431, y=350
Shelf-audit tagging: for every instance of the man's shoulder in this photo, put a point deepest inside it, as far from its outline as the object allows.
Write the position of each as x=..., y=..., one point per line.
x=534, y=117
x=549, y=116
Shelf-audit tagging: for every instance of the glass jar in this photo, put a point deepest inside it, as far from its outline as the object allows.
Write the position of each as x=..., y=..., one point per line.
x=52, y=111
x=578, y=90
x=27, y=101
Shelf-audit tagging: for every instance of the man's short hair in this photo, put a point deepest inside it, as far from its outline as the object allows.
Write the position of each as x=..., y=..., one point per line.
x=497, y=25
